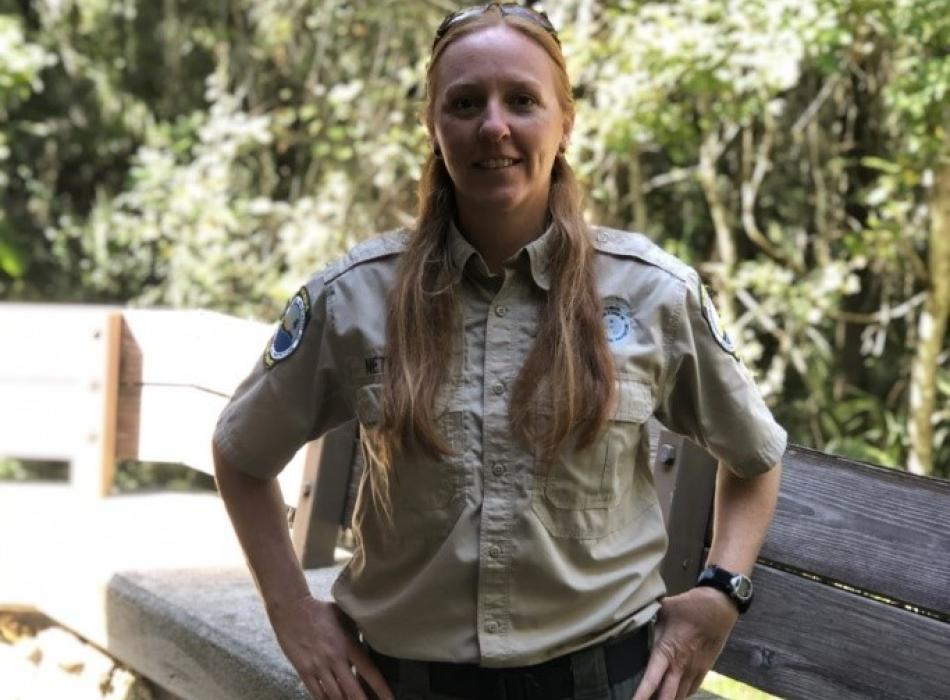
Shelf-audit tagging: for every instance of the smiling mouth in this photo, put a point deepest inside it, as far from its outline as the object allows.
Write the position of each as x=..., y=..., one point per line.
x=496, y=163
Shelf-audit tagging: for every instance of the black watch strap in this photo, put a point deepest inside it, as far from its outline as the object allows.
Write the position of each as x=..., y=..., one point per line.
x=737, y=586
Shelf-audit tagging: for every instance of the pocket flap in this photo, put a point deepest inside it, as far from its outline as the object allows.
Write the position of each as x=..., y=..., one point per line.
x=634, y=401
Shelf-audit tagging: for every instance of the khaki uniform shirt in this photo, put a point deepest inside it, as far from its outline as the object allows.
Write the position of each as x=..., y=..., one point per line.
x=492, y=559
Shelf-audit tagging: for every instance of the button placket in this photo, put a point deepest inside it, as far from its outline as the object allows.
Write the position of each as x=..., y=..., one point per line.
x=497, y=504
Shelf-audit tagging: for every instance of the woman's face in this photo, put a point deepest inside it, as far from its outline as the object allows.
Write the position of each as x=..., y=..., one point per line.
x=497, y=120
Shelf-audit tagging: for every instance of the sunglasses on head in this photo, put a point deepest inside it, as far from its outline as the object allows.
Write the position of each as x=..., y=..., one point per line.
x=506, y=8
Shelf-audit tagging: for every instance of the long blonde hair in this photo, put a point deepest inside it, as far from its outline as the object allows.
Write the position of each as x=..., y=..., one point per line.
x=569, y=365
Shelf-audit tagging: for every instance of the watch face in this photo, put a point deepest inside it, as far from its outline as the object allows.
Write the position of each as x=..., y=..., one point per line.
x=742, y=587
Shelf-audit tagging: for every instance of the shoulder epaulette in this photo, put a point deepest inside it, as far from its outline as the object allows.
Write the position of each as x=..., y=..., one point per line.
x=636, y=245
x=380, y=246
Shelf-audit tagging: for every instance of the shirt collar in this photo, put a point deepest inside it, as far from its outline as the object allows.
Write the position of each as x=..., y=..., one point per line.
x=539, y=256
x=460, y=250
x=538, y=252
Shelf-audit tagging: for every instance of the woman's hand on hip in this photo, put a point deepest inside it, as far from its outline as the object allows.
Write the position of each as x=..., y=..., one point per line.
x=693, y=628
x=325, y=655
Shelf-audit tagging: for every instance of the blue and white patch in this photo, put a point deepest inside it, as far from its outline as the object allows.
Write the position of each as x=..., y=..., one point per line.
x=618, y=320
x=293, y=322
x=712, y=320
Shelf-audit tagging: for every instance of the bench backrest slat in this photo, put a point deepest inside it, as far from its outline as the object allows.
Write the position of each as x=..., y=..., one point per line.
x=847, y=543
x=876, y=529
x=802, y=639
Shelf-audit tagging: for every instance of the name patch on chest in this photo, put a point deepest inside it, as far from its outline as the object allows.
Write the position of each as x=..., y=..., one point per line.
x=618, y=320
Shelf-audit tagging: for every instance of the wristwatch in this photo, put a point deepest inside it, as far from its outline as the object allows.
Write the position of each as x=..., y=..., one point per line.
x=736, y=586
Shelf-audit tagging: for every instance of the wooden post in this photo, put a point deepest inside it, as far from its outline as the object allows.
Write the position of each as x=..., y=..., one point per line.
x=323, y=493
x=685, y=479
x=92, y=471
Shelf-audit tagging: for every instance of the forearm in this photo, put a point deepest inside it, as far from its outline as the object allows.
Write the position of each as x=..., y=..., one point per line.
x=743, y=511
x=694, y=625
x=257, y=512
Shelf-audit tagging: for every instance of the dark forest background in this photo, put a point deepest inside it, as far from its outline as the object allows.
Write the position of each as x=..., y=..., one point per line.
x=214, y=153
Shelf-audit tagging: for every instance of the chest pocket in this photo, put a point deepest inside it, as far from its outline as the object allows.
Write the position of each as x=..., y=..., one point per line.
x=419, y=482
x=592, y=492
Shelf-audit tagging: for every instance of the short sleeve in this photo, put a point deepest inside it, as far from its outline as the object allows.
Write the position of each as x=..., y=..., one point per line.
x=710, y=397
x=293, y=393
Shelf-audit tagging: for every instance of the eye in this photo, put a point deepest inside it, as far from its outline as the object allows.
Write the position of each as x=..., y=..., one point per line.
x=524, y=101
x=461, y=104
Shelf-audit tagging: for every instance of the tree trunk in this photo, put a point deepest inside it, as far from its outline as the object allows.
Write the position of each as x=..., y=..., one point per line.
x=932, y=328
x=709, y=152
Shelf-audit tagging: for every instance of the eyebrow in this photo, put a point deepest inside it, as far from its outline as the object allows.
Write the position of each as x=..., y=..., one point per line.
x=523, y=84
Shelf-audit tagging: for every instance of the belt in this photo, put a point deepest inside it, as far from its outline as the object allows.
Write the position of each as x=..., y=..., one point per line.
x=624, y=657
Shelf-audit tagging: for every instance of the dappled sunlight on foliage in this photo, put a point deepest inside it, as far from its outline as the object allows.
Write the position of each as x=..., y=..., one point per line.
x=216, y=154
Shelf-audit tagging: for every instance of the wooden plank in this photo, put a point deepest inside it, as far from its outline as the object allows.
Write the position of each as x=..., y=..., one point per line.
x=202, y=349
x=170, y=424
x=110, y=401
x=175, y=424
x=58, y=388
x=802, y=639
x=178, y=370
x=37, y=420
x=59, y=380
x=685, y=479
x=176, y=375
x=93, y=463
x=45, y=342
x=880, y=530
x=300, y=533
x=323, y=495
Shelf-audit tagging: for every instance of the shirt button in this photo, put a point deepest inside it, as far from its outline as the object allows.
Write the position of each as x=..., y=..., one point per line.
x=498, y=388
x=501, y=310
x=494, y=552
x=498, y=468
x=491, y=627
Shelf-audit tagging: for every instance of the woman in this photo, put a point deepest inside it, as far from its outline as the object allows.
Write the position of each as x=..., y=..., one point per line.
x=502, y=358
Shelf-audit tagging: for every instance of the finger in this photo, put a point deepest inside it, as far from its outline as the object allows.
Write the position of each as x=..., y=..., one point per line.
x=652, y=677
x=331, y=689
x=313, y=687
x=348, y=682
x=368, y=671
x=671, y=684
x=695, y=683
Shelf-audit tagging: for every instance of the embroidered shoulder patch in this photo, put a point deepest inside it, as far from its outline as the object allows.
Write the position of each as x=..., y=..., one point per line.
x=618, y=320
x=289, y=332
x=712, y=320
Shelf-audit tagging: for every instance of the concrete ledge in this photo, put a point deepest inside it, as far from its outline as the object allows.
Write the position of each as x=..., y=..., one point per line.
x=202, y=633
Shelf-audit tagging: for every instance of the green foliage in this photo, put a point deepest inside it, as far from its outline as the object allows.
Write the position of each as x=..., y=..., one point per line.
x=132, y=477
x=216, y=154
x=19, y=470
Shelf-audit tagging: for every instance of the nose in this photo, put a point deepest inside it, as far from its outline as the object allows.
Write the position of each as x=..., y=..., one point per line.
x=494, y=126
